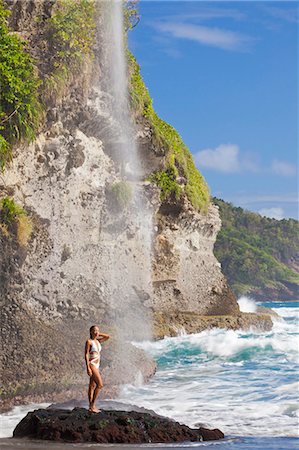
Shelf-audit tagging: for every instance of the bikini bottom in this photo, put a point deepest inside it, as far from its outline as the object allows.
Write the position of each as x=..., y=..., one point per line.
x=95, y=364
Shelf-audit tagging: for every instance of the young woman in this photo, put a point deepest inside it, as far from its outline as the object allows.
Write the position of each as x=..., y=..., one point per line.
x=92, y=357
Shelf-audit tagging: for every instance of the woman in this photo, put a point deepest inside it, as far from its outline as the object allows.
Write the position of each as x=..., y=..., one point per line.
x=92, y=357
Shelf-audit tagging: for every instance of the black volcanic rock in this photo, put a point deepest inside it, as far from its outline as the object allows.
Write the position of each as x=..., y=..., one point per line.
x=79, y=425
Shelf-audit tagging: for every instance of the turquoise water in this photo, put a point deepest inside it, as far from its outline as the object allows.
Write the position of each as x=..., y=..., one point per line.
x=245, y=383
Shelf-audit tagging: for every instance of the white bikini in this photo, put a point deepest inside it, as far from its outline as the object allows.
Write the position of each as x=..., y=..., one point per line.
x=94, y=353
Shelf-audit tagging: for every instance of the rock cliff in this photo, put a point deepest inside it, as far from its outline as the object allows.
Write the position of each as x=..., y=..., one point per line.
x=84, y=262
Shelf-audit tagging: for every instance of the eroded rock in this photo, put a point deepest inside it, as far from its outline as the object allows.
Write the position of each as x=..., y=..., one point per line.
x=79, y=425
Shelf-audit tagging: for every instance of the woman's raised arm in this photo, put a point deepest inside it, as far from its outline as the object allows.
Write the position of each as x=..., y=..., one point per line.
x=103, y=337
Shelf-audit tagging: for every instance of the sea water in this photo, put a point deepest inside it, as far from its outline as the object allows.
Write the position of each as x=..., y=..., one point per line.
x=245, y=383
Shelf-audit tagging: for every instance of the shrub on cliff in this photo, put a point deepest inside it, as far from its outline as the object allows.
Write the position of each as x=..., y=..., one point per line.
x=179, y=160
x=121, y=193
x=19, y=105
x=166, y=181
x=71, y=31
x=14, y=219
x=9, y=211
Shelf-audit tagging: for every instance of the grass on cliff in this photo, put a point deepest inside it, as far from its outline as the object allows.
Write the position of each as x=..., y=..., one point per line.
x=71, y=31
x=179, y=163
x=122, y=194
x=256, y=251
x=14, y=220
x=20, y=108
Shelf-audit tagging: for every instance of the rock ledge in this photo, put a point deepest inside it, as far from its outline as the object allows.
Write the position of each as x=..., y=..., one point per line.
x=79, y=425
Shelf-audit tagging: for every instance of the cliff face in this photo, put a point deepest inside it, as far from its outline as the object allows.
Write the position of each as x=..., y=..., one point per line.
x=186, y=274
x=85, y=262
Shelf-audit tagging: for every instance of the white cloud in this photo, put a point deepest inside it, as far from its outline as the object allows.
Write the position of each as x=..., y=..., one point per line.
x=225, y=158
x=283, y=168
x=215, y=37
x=244, y=199
x=208, y=14
x=289, y=14
x=273, y=213
x=277, y=205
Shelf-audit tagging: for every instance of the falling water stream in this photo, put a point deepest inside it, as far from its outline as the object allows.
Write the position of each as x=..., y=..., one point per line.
x=118, y=86
x=127, y=159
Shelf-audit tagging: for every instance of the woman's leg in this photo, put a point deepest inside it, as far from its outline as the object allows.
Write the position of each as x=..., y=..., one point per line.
x=99, y=384
x=91, y=388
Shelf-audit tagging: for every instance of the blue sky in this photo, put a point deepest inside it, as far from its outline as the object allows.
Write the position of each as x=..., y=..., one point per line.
x=225, y=75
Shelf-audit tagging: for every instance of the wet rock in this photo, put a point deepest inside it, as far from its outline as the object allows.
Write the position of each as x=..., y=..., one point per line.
x=171, y=323
x=108, y=426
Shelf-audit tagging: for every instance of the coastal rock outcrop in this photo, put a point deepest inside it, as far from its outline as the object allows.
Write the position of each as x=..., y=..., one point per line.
x=186, y=274
x=122, y=427
x=190, y=322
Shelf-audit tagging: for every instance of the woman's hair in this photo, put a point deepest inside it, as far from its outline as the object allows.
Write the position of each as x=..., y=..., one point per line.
x=91, y=330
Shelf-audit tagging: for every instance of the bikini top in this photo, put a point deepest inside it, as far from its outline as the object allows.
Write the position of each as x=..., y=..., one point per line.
x=95, y=349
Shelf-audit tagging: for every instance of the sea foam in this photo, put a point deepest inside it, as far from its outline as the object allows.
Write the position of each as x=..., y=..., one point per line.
x=247, y=304
x=244, y=382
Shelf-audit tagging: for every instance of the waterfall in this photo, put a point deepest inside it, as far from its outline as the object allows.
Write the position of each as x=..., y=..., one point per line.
x=126, y=147
x=129, y=275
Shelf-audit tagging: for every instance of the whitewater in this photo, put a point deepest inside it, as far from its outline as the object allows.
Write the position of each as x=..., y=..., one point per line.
x=243, y=382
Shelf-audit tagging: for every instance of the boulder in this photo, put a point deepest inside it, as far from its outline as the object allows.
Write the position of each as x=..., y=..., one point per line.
x=108, y=426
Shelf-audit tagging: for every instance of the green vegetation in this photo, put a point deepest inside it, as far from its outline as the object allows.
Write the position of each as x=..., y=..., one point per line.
x=5, y=152
x=167, y=183
x=9, y=211
x=131, y=15
x=256, y=252
x=122, y=193
x=14, y=220
x=179, y=161
x=19, y=106
x=71, y=31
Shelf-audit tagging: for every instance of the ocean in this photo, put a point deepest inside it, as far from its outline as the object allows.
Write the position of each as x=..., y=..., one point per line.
x=245, y=383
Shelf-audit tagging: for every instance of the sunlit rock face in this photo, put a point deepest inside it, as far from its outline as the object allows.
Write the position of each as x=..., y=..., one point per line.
x=187, y=276
x=63, y=178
